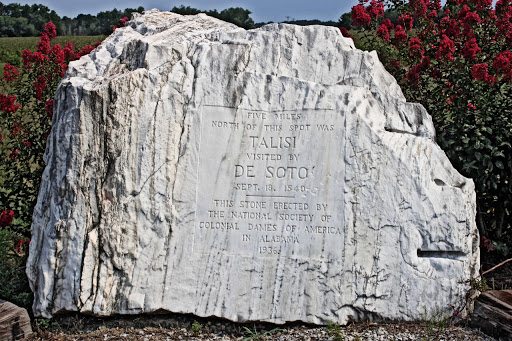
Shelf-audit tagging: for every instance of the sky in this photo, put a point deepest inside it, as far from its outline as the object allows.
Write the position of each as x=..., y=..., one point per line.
x=262, y=10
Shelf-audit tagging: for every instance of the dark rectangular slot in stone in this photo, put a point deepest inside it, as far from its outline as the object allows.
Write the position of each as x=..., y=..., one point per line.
x=450, y=254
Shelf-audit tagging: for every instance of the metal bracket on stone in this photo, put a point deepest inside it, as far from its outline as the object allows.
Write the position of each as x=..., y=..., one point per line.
x=449, y=254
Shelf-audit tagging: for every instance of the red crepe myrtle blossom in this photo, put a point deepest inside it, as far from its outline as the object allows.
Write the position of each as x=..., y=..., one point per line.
x=44, y=44
x=26, y=57
x=39, y=86
x=49, y=30
x=505, y=28
x=10, y=72
x=6, y=218
x=400, y=34
x=69, y=54
x=122, y=22
x=39, y=57
x=468, y=19
x=446, y=48
x=471, y=49
x=14, y=154
x=406, y=20
x=419, y=7
x=450, y=99
x=451, y=27
x=29, y=58
x=471, y=106
x=502, y=6
x=17, y=129
x=435, y=73
x=383, y=32
x=87, y=49
x=375, y=9
x=413, y=76
x=432, y=15
x=480, y=73
x=57, y=54
x=504, y=10
x=49, y=108
x=388, y=24
x=415, y=48
x=395, y=64
x=482, y=4
x=435, y=5
x=466, y=15
x=492, y=16
x=345, y=33
x=503, y=64
x=7, y=104
x=20, y=243
x=359, y=16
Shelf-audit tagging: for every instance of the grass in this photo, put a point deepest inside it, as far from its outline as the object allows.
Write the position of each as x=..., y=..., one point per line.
x=334, y=331
x=11, y=48
x=254, y=335
x=435, y=321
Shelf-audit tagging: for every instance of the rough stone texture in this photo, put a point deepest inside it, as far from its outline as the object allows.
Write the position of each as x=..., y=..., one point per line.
x=14, y=322
x=115, y=229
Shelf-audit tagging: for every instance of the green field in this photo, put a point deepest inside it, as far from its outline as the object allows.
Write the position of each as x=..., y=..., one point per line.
x=11, y=48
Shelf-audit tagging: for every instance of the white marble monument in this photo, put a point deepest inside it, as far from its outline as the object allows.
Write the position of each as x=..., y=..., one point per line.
x=274, y=175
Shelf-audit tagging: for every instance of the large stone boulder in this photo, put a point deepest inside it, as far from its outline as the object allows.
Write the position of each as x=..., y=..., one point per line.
x=275, y=175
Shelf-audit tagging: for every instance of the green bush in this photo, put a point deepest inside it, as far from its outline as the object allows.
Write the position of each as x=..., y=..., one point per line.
x=13, y=256
x=26, y=109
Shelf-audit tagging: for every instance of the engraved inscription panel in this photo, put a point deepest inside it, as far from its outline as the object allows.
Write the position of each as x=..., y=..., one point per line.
x=270, y=184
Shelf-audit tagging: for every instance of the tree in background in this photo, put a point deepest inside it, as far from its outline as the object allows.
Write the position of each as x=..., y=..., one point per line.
x=24, y=20
x=102, y=23
x=16, y=27
x=304, y=22
x=235, y=15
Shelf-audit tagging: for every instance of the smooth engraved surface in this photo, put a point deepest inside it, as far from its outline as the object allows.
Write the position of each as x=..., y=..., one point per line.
x=271, y=183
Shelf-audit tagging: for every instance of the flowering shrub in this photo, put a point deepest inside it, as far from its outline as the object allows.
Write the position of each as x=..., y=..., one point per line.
x=6, y=218
x=26, y=108
x=456, y=60
x=121, y=23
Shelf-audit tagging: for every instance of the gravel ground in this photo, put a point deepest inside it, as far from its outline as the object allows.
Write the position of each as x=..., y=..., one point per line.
x=185, y=327
x=188, y=327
